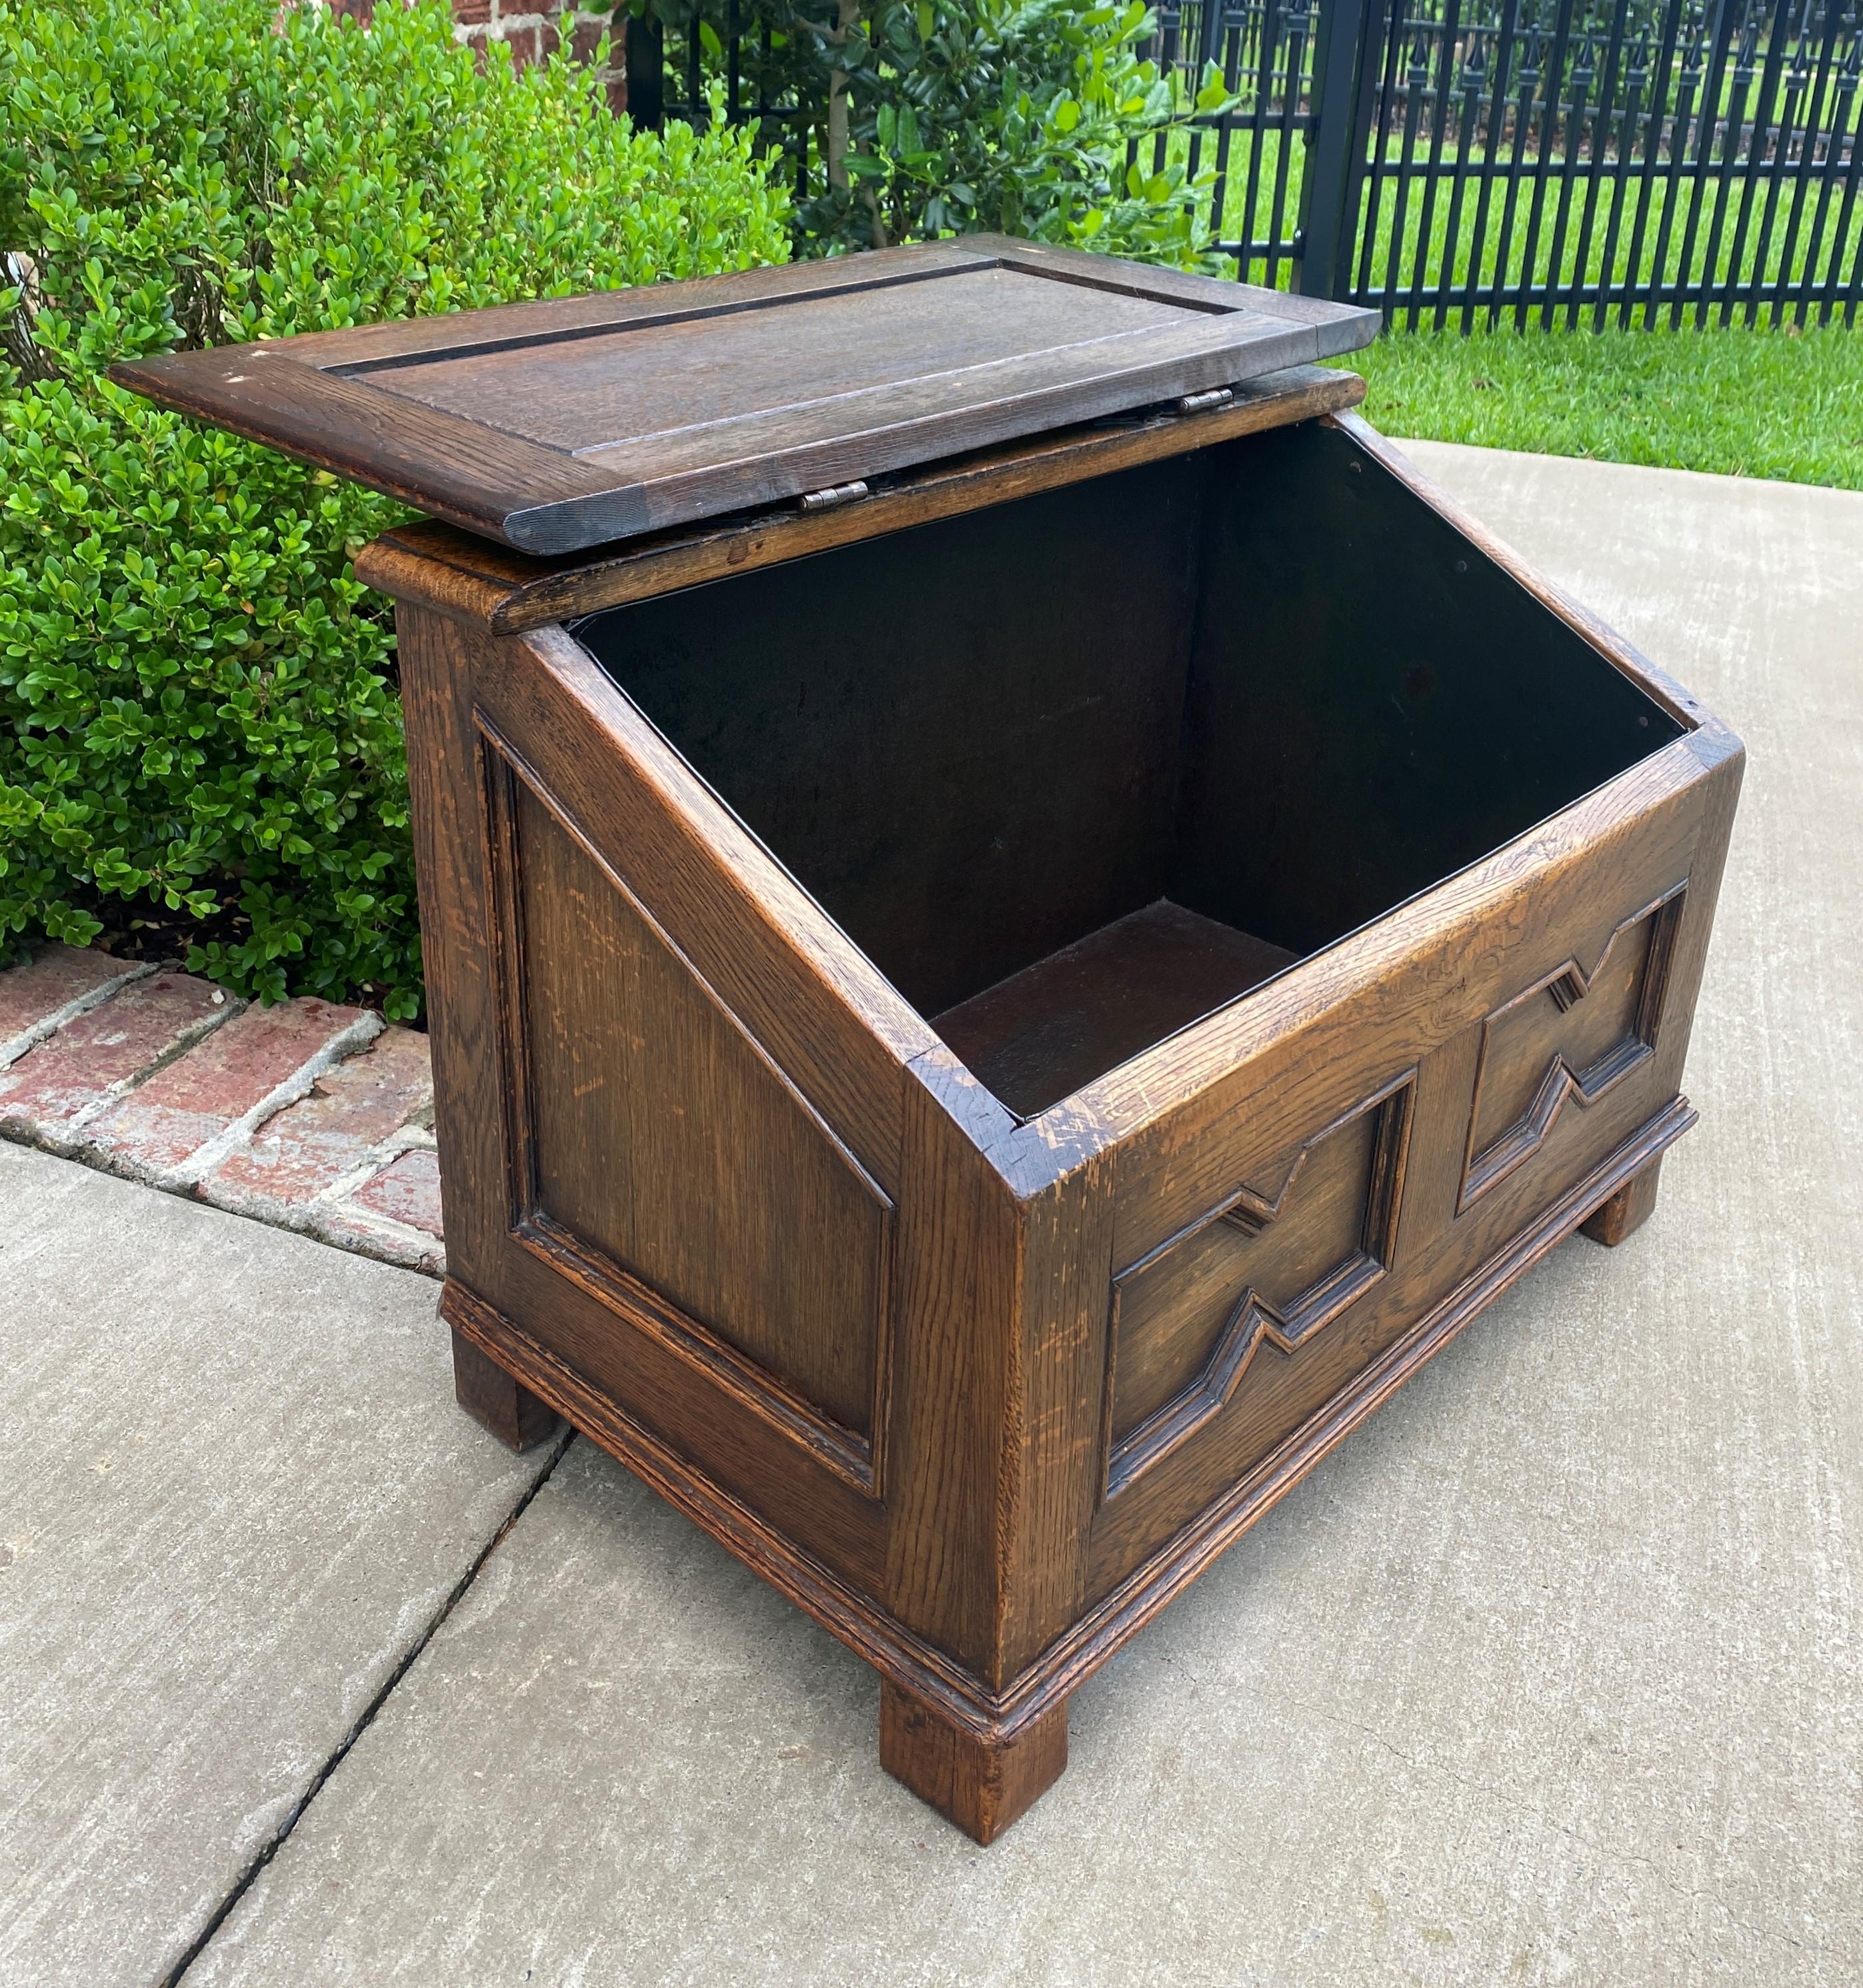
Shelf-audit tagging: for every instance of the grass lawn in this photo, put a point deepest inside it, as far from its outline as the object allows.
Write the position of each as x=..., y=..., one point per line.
x=1776, y=403
x=1738, y=403
x=1579, y=227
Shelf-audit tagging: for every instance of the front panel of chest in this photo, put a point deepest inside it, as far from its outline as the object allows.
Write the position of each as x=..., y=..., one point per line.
x=1377, y=1179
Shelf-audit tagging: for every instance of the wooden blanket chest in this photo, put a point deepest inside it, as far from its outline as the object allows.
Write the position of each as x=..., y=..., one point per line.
x=1021, y=919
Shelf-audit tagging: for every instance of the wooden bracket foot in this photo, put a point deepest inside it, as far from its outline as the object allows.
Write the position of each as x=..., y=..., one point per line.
x=1627, y=1210
x=490, y=1396
x=981, y=1787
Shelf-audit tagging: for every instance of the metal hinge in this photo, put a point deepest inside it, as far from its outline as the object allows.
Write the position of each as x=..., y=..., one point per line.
x=1202, y=404
x=831, y=499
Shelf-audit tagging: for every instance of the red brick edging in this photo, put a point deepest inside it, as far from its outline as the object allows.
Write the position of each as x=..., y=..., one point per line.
x=306, y=1115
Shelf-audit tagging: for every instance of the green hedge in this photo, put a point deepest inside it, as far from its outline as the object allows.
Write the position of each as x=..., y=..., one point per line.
x=199, y=719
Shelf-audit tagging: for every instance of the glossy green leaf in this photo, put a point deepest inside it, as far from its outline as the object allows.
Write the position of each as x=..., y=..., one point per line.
x=197, y=706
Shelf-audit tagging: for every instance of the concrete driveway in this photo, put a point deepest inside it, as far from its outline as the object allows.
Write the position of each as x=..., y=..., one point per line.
x=1551, y=1675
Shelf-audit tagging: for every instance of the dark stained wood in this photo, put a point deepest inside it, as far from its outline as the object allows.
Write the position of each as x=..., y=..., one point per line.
x=844, y=1606
x=779, y=379
x=1288, y=1076
x=463, y=470
x=1122, y=1319
x=497, y=1402
x=1374, y=702
x=827, y=1018
x=630, y=1066
x=1532, y=887
x=1338, y=332
x=684, y=1385
x=1306, y=1045
x=463, y=574
x=954, y=1371
x=961, y=824
x=1079, y=1011
x=979, y=1340
x=1121, y=1606
x=957, y=819
x=1100, y=1628
x=1623, y=655
x=643, y=305
x=1264, y=1273
x=574, y=426
x=980, y=1786
x=1053, y=1461
x=1627, y=1210
x=1566, y=1042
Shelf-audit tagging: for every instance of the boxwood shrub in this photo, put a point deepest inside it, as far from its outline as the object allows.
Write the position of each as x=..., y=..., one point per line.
x=200, y=735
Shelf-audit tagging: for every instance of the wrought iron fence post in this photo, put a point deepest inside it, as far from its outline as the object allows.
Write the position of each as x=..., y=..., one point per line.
x=646, y=72
x=1329, y=185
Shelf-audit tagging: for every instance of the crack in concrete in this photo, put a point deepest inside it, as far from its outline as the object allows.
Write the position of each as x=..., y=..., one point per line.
x=295, y=1813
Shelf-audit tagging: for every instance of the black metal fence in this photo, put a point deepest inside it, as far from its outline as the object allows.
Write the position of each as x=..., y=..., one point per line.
x=1651, y=161
x=1529, y=161
x=1261, y=151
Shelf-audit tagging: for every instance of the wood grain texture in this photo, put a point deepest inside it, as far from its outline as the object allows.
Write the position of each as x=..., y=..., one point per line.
x=1059, y=1352
x=982, y=1788
x=1100, y=1628
x=1205, y=1108
x=1339, y=330
x=753, y=1441
x=1568, y=1040
x=579, y=425
x=1110, y=1330
x=1082, y=1010
x=506, y=1408
x=692, y=300
x=1128, y=1600
x=958, y=1257
x=775, y=958
x=778, y=380
x=654, y=1139
x=845, y=1608
x=1260, y=1273
x=461, y=573
x=459, y=938
x=1722, y=760
x=956, y=819
x=1627, y=1210
x=1301, y=1078
x=1374, y=703
x=437, y=462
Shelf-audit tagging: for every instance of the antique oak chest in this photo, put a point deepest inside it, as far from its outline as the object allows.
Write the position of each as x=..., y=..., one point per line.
x=1022, y=921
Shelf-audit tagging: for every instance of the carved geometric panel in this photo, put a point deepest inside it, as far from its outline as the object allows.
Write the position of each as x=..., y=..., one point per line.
x=662, y=1158
x=1269, y=1267
x=1568, y=1040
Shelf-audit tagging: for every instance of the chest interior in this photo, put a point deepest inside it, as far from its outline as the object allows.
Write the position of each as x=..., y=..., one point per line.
x=1076, y=770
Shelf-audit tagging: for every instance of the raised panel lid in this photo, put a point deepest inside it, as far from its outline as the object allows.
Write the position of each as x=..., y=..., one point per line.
x=569, y=422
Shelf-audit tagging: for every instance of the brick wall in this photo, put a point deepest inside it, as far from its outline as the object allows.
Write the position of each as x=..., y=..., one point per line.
x=532, y=29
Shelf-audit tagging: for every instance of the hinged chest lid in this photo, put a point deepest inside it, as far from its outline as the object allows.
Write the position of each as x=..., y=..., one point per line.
x=572, y=421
